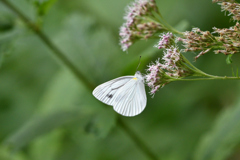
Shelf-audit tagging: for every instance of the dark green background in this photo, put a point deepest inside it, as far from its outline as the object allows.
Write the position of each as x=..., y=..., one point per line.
x=46, y=113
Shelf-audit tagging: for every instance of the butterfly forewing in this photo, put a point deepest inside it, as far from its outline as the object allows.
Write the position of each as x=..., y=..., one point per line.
x=106, y=91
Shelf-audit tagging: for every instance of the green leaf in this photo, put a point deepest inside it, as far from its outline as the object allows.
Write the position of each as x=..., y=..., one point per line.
x=8, y=35
x=237, y=73
x=66, y=92
x=44, y=6
x=229, y=59
x=63, y=103
x=49, y=144
x=233, y=72
x=220, y=142
x=19, y=99
x=1, y=58
x=40, y=125
x=5, y=154
x=85, y=42
x=102, y=123
x=6, y=23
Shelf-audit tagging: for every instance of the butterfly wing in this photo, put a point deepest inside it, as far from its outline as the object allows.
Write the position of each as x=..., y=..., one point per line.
x=106, y=91
x=130, y=100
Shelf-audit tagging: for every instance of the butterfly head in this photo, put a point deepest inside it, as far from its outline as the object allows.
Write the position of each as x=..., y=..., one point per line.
x=138, y=76
x=138, y=73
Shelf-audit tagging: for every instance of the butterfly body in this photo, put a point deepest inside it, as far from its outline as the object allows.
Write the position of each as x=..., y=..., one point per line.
x=126, y=94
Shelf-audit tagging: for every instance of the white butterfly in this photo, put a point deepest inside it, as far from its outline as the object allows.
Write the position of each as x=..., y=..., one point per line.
x=126, y=94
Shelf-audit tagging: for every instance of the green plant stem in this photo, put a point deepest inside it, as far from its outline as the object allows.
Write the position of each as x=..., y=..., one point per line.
x=137, y=140
x=167, y=25
x=64, y=59
x=196, y=70
x=201, y=79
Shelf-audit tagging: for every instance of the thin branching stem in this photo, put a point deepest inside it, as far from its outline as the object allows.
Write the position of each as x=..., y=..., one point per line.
x=167, y=25
x=196, y=70
x=65, y=60
x=203, y=79
x=137, y=140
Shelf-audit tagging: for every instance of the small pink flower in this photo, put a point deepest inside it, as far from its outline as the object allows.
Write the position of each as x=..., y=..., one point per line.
x=171, y=67
x=232, y=7
x=165, y=40
x=137, y=24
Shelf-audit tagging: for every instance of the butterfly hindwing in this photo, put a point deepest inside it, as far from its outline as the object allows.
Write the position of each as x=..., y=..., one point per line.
x=131, y=99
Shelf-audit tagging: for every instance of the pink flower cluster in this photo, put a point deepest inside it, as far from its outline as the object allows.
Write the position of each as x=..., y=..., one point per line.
x=126, y=37
x=137, y=24
x=214, y=1
x=160, y=74
x=137, y=9
x=226, y=40
x=231, y=7
x=153, y=77
x=196, y=40
x=165, y=41
x=230, y=39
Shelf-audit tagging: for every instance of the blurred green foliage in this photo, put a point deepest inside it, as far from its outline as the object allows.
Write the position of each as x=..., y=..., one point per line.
x=47, y=113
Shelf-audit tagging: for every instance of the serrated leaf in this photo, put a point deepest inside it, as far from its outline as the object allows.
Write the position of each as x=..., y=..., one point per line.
x=219, y=143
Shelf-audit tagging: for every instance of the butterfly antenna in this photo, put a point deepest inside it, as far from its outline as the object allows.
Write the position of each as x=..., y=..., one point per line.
x=139, y=62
